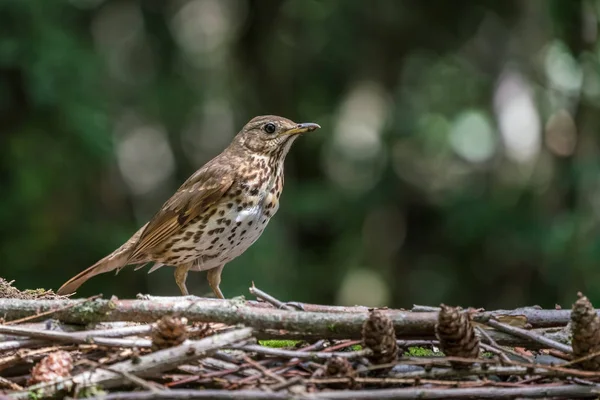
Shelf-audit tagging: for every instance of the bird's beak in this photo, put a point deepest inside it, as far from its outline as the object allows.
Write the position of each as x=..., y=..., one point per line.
x=301, y=128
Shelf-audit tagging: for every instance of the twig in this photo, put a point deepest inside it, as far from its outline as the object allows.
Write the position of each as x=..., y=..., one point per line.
x=269, y=299
x=527, y=334
x=536, y=391
x=77, y=337
x=417, y=343
x=19, y=344
x=495, y=350
x=306, y=355
x=8, y=384
x=510, y=370
x=263, y=370
x=153, y=386
x=420, y=308
x=581, y=359
x=144, y=366
x=286, y=384
x=501, y=351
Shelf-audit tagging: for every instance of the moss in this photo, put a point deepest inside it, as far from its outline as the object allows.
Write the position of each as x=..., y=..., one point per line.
x=35, y=394
x=356, y=347
x=93, y=391
x=331, y=327
x=7, y=290
x=278, y=344
x=422, y=352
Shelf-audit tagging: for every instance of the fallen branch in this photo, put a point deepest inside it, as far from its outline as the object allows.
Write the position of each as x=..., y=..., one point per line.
x=267, y=322
x=537, y=391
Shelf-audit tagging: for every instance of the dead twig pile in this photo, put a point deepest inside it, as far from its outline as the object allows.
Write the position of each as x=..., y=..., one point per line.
x=194, y=348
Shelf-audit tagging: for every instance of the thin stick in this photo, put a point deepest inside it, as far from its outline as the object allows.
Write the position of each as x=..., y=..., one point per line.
x=502, y=351
x=578, y=360
x=263, y=370
x=269, y=299
x=77, y=337
x=533, y=336
x=305, y=355
x=290, y=382
x=153, y=386
x=19, y=344
x=6, y=383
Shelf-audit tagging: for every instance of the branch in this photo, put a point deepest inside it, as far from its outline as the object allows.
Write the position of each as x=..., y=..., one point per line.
x=537, y=391
x=268, y=322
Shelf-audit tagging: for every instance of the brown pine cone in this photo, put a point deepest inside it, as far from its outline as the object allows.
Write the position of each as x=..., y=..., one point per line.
x=200, y=330
x=340, y=367
x=54, y=366
x=168, y=332
x=456, y=334
x=586, y=332
x=378, y=334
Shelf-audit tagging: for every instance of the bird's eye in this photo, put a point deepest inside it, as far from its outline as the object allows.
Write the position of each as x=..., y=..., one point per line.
x=269, y=128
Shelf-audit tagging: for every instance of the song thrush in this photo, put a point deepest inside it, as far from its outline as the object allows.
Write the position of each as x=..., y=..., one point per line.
x=217, y=213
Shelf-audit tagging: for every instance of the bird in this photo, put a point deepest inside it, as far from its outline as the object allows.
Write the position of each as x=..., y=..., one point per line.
x=216, y=214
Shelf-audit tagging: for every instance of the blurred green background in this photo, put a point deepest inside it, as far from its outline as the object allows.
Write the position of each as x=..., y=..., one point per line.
x=458, y=160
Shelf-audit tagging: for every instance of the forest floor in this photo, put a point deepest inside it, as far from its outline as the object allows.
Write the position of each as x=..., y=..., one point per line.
x=197, y=348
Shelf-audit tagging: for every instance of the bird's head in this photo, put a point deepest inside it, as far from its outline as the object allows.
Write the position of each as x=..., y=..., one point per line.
x=270, y=135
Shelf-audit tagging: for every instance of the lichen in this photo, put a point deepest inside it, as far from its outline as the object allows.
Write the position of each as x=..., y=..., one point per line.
x=93, y=311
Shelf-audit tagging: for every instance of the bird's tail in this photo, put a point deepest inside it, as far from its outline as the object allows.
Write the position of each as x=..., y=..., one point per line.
x=114, y=261
x=107, y=264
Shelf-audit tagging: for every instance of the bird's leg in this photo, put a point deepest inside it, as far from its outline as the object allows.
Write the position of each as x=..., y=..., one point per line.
x=181, y=273
x=214, y=279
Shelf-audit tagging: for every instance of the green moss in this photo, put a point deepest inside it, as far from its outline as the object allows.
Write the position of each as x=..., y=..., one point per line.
x=331, y=327
x=35, y=394
x=356, y=347
x=422, y=352
x=278, y=344
x=93, y=391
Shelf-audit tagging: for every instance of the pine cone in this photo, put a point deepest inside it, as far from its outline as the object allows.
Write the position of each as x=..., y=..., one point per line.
x=200, y=330
x=168, y=332
x=340, y=367
x=586, y=332
x=54, y=366
x=379, y=335
x=456, y=334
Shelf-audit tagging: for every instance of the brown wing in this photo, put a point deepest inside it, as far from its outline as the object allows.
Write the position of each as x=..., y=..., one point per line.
x=196, y=195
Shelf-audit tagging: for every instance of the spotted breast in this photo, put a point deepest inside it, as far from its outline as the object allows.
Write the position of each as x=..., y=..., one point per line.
x=231, y=226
